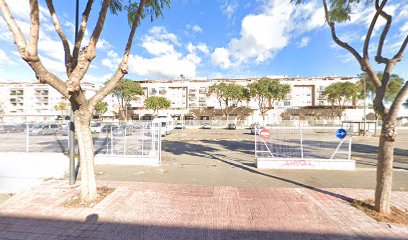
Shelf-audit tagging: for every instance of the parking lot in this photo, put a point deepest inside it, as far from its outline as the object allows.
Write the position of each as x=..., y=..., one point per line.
x=222, y=157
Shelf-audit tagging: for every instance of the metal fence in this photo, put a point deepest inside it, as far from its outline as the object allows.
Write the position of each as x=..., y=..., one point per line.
x=141, y=138
x=300, y=143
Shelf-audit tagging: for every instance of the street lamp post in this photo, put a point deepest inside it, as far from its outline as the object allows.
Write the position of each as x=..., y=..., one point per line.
x=365, y=106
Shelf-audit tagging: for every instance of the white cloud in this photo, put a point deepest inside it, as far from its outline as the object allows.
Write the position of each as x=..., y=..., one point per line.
x=166, y=60
x=303, y=42
x=268, y=32
x=112, y=61
x=162, y=67
x=158, y=48
x=228, y=8
x=220, y=57
x=196, y=28
x=160, y=33
x=5, y=59
x=202, y=47
x=103, y=44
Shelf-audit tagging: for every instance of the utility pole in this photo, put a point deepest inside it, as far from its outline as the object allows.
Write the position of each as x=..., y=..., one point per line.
x=72, y=173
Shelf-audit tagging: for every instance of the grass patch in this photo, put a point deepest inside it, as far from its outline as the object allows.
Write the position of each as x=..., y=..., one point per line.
x=75, y=201
x=397, y=216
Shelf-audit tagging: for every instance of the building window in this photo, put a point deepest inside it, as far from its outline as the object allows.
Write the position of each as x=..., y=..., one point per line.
x=162, y=91
x=203, y=90
x=17, y=99
x=41, y=98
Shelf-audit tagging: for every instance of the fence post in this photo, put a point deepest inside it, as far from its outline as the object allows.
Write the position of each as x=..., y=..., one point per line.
x=27, y=137
x=124, y=144
x=349, y=153
x=143, y=127
x=111, y=133
x=255, y=143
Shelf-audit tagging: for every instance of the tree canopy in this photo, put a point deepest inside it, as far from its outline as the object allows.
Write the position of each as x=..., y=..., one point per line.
x=229, y=96
x=266, y=92
x=394, y=86
x=157, y=103
x=127, y=91
x=101, y=108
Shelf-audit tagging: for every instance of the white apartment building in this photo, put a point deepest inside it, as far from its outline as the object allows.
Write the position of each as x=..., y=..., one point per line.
x=23, y=101
x=191, y=95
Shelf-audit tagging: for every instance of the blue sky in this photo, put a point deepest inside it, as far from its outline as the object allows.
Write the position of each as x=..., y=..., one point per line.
x=212, y=38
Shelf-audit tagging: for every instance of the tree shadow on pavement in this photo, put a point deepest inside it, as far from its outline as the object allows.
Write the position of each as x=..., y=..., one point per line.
x=93, y=228
x=199, y=150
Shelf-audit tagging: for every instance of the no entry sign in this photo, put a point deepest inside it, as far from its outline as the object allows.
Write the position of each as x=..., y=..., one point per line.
x=264, y=133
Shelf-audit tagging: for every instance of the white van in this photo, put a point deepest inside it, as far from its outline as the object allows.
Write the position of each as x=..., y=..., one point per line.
x=166, y=125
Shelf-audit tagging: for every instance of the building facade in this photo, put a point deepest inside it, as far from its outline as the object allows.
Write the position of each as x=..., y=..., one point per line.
x=189, y=99
x=27, y=102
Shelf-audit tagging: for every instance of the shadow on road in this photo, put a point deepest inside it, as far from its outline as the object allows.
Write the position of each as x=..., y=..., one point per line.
x=199, y=150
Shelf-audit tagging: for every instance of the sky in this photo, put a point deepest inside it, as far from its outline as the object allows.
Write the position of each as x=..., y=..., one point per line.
x=202, y=39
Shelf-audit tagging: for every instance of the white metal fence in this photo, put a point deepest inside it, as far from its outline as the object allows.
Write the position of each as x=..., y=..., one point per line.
x=141, y=138
x=302, y=147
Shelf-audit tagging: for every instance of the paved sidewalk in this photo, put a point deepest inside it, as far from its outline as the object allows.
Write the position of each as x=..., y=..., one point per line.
x=166, y=211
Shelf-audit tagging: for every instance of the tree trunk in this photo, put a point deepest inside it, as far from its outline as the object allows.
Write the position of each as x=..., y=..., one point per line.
x=384, y=167
x=82, y=120
x=263, y=119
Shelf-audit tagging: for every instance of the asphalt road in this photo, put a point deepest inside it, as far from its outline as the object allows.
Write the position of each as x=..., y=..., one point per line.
x=226, y=157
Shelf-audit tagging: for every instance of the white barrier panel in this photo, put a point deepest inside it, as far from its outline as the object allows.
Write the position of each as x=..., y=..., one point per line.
x=330, y=164
x=303, y=148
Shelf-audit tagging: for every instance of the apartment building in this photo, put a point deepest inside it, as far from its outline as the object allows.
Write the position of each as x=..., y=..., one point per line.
x=22, y=101
x=190, y=99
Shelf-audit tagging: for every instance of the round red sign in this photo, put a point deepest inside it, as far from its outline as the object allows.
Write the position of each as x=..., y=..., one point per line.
x=264, y=133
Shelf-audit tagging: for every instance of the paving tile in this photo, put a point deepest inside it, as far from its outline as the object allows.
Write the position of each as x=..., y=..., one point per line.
x=166, y=211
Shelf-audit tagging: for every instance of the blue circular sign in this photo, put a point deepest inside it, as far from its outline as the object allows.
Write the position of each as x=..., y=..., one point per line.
x=341, y=133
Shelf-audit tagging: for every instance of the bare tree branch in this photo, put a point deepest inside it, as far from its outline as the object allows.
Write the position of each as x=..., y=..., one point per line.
x=65, y=43
x=81, y=32
x=334, y=35
x=99, y=26
x=86, y=56
x=19, y=38
x=34, y=30
x=379, y=58
x=122, y=68
x=42, y=74
x=399, y=99
x=365, y=65
x=400, y=53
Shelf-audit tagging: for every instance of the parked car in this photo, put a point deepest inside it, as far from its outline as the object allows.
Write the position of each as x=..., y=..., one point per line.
x=232, y=126
x=123, y=130
x=108, y=128
x=13, y=128
x=206, y=126
x=48, y=129
x=257, y=128
x=96, y=127
x=180, y=126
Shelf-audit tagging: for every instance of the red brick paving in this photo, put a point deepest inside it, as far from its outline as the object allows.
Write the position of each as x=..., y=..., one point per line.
x=165, y=211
